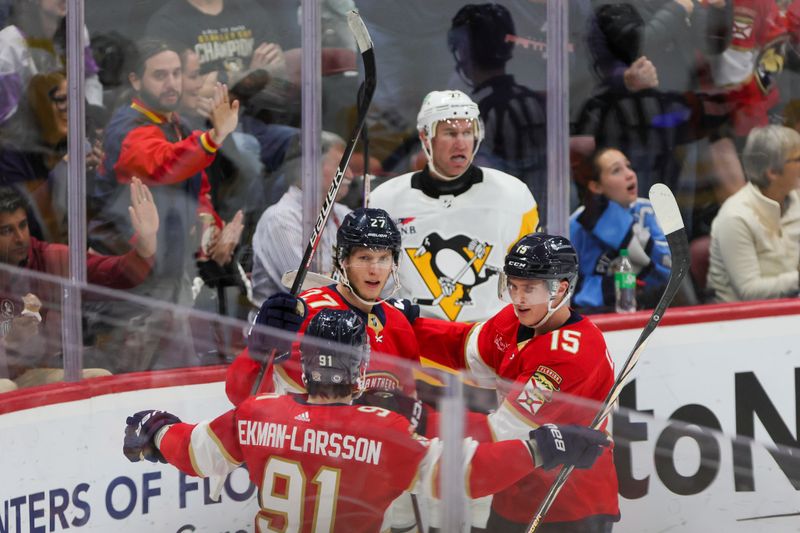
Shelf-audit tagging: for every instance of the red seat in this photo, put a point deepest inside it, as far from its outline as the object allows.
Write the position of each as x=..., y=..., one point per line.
x=699, y=253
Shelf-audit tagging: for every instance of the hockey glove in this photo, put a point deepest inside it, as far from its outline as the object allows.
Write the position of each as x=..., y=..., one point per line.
x=411, y=408
x=411, y=311
x=639, y=246
x=280, y=311
x=568, y=445
x=140, y=432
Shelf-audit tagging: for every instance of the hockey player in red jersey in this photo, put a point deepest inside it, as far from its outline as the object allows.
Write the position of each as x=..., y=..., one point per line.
x=545, y=350
x=366, y=254
x=323, y=464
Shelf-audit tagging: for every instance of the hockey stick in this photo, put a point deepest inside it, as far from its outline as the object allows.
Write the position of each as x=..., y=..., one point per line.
x=312, y=281
x=669, y=218
x=365, y=145
x=366, y=91
x=455, y=279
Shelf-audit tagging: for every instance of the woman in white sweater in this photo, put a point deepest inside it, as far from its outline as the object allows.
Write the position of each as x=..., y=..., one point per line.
x=755, y=238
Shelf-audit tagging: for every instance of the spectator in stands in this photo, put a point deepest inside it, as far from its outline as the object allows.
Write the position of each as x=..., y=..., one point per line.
x=755, y=238
x=238, y=178
x=196, y=91
x=278, y=242
x=35, y=43
x=32, y=143
x=231, y=39
x=514, y=116
x=149, y=140
x=671, y=133
x=674, y=36
x=611, y=218
x=33, y=146
x=30, y=325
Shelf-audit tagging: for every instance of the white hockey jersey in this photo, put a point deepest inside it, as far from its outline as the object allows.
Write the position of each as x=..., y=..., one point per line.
x=454, y=246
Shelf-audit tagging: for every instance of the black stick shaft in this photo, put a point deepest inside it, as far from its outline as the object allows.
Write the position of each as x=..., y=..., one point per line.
x=366, y=91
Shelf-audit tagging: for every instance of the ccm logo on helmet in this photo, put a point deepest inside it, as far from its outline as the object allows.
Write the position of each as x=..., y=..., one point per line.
x=516, y=264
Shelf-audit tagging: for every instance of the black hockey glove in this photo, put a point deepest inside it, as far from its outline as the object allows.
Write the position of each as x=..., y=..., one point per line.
x=411, y=408
x=140, y=432
x=569, y=445
x=280, y=311
x=411, y=311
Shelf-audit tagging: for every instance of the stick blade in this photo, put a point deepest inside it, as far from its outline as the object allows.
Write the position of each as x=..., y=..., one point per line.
x=359, y=30
x=666, y=208
x=311, y=281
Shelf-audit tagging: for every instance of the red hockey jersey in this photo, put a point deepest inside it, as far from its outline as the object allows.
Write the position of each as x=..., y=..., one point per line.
x=391, y=338
x=537, y=379
x=329, y=467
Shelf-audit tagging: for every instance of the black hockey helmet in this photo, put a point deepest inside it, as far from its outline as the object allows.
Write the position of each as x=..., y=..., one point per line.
x=335, y=349
x=368, y=228
x=542, y=256
x=483, y=27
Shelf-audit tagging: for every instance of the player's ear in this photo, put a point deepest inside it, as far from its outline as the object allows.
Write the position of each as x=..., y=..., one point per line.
x=563, y=287
x=423, y=138
x=594, y=186
x=135, y=82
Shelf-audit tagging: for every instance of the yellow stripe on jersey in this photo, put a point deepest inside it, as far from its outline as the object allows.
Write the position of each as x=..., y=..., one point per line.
x=193, y=460
x=464, y=355
x=289, y=382
x=427, y=377
x=530, y=223
x=222, y=449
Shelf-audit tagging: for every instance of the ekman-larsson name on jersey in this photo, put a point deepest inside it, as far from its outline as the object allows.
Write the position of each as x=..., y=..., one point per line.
x=318, y=442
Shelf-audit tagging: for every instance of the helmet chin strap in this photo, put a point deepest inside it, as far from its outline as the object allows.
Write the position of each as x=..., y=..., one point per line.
x=551, y=310
x=346, y=282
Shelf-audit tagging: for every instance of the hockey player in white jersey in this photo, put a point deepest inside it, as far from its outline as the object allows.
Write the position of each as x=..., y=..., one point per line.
x=457, y=220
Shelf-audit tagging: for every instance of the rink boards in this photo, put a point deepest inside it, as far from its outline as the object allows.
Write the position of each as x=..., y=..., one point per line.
x=734, y=368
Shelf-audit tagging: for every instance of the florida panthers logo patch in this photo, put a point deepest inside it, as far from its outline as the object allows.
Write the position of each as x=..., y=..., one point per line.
x=537, y=391
x=450, y=269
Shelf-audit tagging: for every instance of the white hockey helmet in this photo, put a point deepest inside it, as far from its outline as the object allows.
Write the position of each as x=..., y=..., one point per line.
x=447, y=105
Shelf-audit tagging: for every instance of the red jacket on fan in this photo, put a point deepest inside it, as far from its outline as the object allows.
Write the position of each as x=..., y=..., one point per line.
x=389, y=333
x=529, y=373
x=117, y=272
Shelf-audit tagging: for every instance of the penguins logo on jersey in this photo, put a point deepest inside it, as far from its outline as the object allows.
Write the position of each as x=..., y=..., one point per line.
x=450, y=269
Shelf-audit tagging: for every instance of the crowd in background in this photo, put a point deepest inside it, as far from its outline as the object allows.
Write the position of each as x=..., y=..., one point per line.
x=200, y=100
